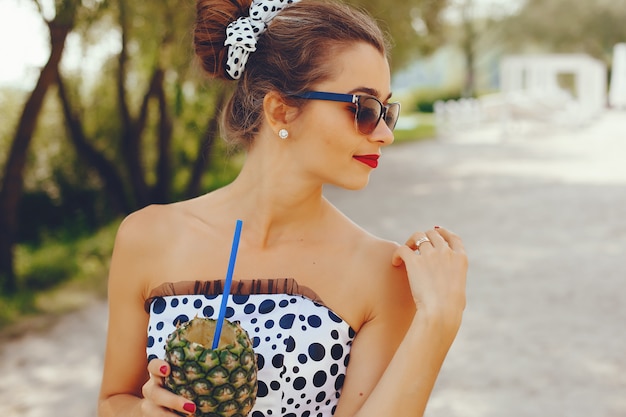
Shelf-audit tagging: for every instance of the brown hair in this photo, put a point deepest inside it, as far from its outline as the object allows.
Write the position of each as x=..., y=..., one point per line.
x=294, y=53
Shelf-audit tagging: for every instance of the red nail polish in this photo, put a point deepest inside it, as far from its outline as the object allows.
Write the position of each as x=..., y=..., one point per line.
x=189, y=407
x=163, y=369
x=436, y=227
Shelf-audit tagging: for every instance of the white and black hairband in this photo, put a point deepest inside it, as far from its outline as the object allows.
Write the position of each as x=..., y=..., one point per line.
x=242, y=34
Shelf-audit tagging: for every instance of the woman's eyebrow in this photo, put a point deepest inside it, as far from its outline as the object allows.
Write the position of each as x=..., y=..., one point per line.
x=367, y=90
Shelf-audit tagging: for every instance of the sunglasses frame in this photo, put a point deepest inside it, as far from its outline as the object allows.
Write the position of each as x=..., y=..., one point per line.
x=354, y=99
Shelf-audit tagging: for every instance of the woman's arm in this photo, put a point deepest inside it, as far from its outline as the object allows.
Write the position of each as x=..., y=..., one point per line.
x=128, y=389
x=397, y=354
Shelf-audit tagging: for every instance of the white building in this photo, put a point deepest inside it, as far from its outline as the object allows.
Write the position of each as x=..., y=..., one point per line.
x=538, y=76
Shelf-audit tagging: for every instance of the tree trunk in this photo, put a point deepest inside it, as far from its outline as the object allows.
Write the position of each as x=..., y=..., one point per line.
x=469, y=47
x=162, y=188
x=469, y=88
x=131, y=128
x=112, y=181
x=13, y=179
x=206, y=148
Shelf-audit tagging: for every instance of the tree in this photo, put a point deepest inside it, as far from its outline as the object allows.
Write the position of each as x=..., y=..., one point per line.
x=468, y=39
x=415, y=26
x=470, y=27
x=564, y=26
x=143, y=131
x=111, y=180
x=13, y=178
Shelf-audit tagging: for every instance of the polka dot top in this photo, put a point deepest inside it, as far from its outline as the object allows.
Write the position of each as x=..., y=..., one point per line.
x=302, y=347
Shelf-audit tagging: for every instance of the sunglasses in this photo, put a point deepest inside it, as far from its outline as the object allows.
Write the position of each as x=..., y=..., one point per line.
x=369, y=109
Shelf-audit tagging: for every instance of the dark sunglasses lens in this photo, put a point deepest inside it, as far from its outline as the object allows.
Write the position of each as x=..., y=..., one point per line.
x=368, y=115
x=391, y=117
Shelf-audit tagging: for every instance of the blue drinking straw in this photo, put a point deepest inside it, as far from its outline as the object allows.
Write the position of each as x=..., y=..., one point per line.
x=229, y=280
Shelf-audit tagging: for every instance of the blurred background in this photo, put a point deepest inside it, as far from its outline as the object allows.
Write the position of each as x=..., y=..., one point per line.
x=104, y=111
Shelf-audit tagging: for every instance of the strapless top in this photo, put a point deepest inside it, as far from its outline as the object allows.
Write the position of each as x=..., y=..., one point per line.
x=302, y=347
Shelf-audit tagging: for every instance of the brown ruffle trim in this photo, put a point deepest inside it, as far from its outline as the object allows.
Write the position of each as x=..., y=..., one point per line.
x=244, y=287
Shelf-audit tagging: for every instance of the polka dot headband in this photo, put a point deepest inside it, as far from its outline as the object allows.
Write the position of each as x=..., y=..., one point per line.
x=242, y=34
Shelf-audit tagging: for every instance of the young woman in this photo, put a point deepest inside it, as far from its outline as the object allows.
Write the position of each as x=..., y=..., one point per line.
x=369, y=321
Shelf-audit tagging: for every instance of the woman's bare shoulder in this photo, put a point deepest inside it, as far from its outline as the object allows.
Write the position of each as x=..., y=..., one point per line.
x=148, y=227
x=146, y=243
x=380, y=284
x=377, y=255
x=157, y=224
x=371, y=254
x=388, y=285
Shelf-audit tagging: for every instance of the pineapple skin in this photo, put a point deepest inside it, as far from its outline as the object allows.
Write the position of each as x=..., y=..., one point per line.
x=221, y=382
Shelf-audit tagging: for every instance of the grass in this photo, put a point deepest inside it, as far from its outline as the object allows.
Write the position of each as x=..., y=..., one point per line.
x=58, y=275
x=413, y=127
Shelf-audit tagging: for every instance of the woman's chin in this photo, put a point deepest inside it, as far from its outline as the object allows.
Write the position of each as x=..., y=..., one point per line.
x=355, y=185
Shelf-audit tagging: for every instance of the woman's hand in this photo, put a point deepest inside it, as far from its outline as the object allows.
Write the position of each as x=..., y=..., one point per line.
x=436, y=270
x=156, y=399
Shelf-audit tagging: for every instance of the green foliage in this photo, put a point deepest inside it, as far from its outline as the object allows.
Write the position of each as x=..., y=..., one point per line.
x=420, y=126
x=11, y=101
x=401, y=18
x=423, y=100
x=426, y=101
x=46, y=266
x=60, y=263
x=226, y=166
x=15, y=306
x=76, y=212
x=566, y=26
x=62, y=257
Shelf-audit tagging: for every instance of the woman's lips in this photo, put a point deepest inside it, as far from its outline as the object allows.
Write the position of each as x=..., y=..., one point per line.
x=369, y=160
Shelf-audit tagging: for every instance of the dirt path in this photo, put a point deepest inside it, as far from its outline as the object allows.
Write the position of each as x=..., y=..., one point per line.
x=55, y=372
x=543, y=218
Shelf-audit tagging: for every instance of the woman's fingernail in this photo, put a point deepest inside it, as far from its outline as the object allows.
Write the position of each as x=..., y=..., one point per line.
x=163, y=369
x=436, y=227
x=189, y=407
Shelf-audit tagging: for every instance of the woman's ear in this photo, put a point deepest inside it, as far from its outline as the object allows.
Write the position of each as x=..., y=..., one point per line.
x=277, y=112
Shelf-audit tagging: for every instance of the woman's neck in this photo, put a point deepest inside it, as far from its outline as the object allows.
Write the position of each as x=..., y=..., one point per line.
x=276, y=203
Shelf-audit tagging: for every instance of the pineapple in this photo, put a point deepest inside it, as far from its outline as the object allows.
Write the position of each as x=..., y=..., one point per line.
x=221, y=382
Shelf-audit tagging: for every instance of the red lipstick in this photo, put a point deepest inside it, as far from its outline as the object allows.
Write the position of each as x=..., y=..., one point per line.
x=369, y=160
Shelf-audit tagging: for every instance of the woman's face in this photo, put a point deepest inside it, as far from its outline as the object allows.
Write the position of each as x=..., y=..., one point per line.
x=326, y=141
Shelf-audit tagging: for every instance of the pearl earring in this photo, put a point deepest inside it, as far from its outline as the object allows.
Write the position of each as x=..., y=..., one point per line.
x=283, y=134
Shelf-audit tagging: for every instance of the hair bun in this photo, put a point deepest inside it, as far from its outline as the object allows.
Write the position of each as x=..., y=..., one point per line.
x=212, y=18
